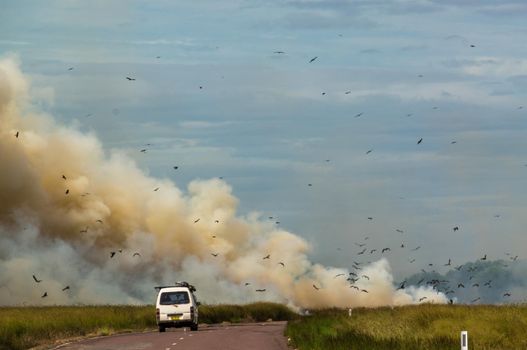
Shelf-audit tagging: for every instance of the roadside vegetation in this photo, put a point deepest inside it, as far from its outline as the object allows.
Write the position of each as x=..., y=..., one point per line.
x=412, y=327
x=26, y=327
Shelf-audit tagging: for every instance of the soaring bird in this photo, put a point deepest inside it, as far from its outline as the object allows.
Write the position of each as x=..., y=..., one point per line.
x=385, y=250
x=195, y=221
x=281, y=263
x=369, y=151
x=143, y=150
x=156, y=189
x=474, y=300
x=268, y=256
x=339, y=274
x=260, y=290
x=402, y=285
x=367, y=277
x=364, y=290
x=475, y=285
x=64, y=177
x=65, y=288
x=360, y=244
x=214, y=254
x=44, y=295
x=372, y=251
x=399, y=230
x=176, y=167
x=421, y=299
x=361, y=252
x=136, y=254
x=461, y=285
x=70, y=68
x=279, y=52
x=420, y=140
x=411, y=261
x=313, y=59
x=416, y=248
x=99, y=221
x=67, y=191
x=348, y=92
x=36, y=280
x=507, y=294
x=359, y=114
x=16, y=135
x=484, y=258
x=317, y=288
x=247, y=283
x=370, y=218
x=130, y=79
x=455, y=228
x=112, y=254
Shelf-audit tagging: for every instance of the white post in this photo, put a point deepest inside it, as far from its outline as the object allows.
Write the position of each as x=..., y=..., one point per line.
x=349, y=312
x=464, y=340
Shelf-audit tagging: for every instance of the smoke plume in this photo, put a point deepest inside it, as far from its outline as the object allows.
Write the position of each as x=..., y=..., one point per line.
x=67, y=205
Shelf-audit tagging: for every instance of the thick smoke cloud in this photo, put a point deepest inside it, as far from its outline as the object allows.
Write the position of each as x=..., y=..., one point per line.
x=66, y=204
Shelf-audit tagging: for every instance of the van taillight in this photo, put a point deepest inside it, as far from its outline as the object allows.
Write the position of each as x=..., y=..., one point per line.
x=157, y=314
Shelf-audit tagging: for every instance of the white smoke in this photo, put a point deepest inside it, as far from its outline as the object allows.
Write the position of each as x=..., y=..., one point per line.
x=66, y=204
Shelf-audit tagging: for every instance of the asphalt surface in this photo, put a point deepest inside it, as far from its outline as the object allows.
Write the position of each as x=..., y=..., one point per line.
x=254, y=336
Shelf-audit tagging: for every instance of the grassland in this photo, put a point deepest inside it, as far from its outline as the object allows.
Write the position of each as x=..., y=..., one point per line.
x=26, y=327
x=412, y=327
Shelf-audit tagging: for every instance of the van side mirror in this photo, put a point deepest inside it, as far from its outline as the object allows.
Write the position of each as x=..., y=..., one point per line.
x=198, y=303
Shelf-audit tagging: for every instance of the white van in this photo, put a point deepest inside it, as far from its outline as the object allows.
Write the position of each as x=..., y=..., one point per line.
x=176, y=306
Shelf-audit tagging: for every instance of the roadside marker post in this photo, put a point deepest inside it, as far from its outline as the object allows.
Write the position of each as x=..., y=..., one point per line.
x=464, y=340
x=349, y=312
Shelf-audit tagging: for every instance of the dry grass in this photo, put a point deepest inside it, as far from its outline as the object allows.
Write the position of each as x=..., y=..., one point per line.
x=26, y=327
x=413, y=327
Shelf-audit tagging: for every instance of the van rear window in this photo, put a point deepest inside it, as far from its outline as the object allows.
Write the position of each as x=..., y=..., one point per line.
x=170, y=298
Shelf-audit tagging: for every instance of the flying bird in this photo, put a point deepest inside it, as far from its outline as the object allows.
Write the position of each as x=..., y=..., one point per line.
x=281, y=263
x=64, y=177
x=370, y=218
x=99, y=221
x=44, y=295
x=176, y=168
x=416, y=248
x=130, y=79
x=456, y=228
x=372, y=251
x=461, y=285
x=337, y=275
x=473, y=301
x=361, y=252
x=402, y=285
x=364, y=290
x=247, y=283
x=448, y=263
x=260, y=290
x=313, y=59
x=112, y=254
x=360, y=244
x=136, y=254
x=266, y=257
x=143, y=150
x=195, y=221
x=316, y=288
x=400, y=231
x=385, y=250
x=348, y=92
x=420, y=140
x=16, y=135
x=475, y=285
x=70, y=68
x=507, y=294
x=484, y=258
x=67, y=191
x=36, y=280
x=279, y=52
x=156, y=189
x=359, y=114
x=421, y=299
x=65, y=288
x=214, y=254
x=367, y=277
x=369, y=151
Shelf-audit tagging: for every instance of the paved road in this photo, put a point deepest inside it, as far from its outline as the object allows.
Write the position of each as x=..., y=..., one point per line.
x=254, y=336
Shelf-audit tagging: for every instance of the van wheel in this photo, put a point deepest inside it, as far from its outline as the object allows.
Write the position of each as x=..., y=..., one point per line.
x=194, y=327
x=162, y=329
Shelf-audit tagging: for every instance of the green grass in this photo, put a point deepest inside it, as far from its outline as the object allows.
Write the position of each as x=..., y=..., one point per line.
x=26, y=327
x=412, y=327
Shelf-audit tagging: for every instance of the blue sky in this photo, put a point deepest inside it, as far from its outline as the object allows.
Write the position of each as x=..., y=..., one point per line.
x=451, y=72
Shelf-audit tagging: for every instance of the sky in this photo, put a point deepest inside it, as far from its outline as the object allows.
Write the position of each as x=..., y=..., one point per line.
x=310, y=110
